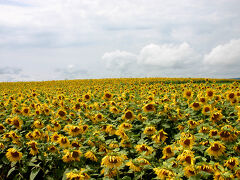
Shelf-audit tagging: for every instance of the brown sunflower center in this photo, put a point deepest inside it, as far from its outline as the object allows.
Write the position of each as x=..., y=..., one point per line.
x=61, y=113
x=215, y=147
x=149, y=107
x=231, y=95
x=15, y=154
x=187, y=142
x=75, y=154
x=196, y=105
x=128, y=115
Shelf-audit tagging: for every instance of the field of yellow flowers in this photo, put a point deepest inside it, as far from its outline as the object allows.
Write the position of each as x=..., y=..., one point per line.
x=149, y=128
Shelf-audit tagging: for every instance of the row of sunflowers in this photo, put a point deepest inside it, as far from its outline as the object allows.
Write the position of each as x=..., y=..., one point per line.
x=148, y=128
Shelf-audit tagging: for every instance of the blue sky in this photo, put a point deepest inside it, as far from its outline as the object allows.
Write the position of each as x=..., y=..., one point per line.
x=59, y=39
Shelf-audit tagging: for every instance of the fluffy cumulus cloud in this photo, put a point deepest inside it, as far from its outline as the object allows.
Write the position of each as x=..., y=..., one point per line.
x=119, y=60
x=167, y=55
x=224, y=54
x=153, y=59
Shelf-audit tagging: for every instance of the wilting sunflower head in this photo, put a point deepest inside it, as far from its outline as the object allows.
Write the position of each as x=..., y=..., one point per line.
x=125, y=126
x=112, y=161
x=232, y=162
x=90, y=155
x=163, y=173
x=190, y=171
x=168, y=152
x=144, y=148
x=150, y=130
x=160, y=136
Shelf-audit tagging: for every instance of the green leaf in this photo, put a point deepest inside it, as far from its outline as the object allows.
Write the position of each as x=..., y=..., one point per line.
x=126, y=178
x=34, y=173
x=10, y=171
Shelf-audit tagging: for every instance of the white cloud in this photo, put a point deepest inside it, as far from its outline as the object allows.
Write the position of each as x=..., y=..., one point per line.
x=167, y=55
x=224, y=55
x=119, y=60
x=153, y=60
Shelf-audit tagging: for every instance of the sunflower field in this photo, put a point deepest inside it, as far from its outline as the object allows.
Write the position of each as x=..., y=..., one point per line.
x=127, y=128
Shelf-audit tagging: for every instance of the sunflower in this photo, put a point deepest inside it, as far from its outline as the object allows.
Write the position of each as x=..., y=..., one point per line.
x=55, y=137
x=76, y=155
x=216, y=149
x=150, y=130
x=2, y=146
x=110, y=129
x=74, y=131
x=84, y=128
x=144, y=148
x=61, y=113
x=77, y=106
x=25, y=111
x=87, y=97
x=209, y=93
x=17, y=122
x=112, y=161
x=206, y=168
x=122, y=134
x=33, y=145
x=187, y=157
x=128, y=115
x=187, y=142
x=188, y=94
x=64, y=142
x=190, y=171
x=38, y=124
x=206, y=110
x=56, y=125
x=160, y=136
x=149, y=108
x=90, y=155
x=232, y=162
x=230, y=96
x=195, y=106
x=75, y=144
x=67, y=156
x=216, y=116
x=133, y=166
x=107, y=96
x=37, y=134
x=202, y=100
x=114, y=110
x=125, y=126
x=52, y=149
x=125, y=143
x=225, y=135
x=213, y=132
x=13, y=155
x=168, y=152
x=193, y=124
x=163, y=173
x=99, y=117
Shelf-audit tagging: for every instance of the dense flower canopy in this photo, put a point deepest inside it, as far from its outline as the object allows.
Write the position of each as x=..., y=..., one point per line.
x=120, y=128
